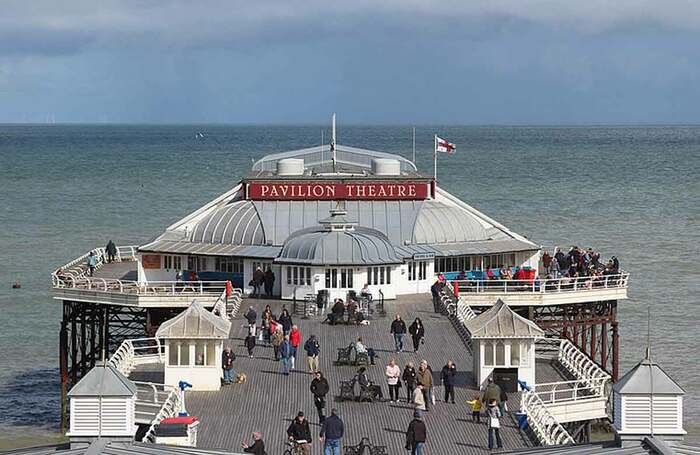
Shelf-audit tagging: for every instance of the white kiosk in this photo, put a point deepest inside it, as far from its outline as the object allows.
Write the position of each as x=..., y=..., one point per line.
x=647, y=402
x=193, y=345
x=503, y=344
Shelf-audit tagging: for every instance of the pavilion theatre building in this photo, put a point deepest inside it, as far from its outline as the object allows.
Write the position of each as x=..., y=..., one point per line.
x=334, y=221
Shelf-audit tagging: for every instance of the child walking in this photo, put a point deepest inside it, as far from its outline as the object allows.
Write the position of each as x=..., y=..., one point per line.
x=476, y=408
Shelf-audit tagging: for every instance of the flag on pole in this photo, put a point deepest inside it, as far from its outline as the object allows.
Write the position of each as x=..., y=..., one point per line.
x=441, y=145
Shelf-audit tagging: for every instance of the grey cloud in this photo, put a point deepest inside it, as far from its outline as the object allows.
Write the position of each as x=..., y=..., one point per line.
x=47, y=26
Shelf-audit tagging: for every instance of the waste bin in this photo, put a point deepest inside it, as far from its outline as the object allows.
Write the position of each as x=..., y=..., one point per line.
x=522, y=420
x=178, y=431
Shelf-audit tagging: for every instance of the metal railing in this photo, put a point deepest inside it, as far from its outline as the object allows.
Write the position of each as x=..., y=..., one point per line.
x=78, y=269
x=546, y=428
x=580, y=365
x=552, y=393
x=153, y=288
x=170, y=408
x=137, y=351
x=544, y=285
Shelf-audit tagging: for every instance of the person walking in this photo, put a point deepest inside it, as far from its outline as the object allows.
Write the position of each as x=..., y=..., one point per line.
x=416, y=434
x=286, y=320
x=332, y=431
x=319, y=388
x=295, y=340
x=251, y=316
x=92, y=262
x=398, y=329
x=491, y=392
x=447, y=377
x=257, y=281
x=111, y=250
x=276, y=341
x=409, y=380
x=503, y=401
x=393, y=380
x=424, y=378
x=286, y=355
x=227, y=358
x=494, y=425
x=269, y=281
x=250, y=340
x=313, y=349
x=300, y=432
x=475, y=403
x=418, y=398
x=417, y=332
x=258, y=447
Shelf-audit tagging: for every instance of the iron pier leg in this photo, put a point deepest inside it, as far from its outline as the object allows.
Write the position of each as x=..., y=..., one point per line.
x=63, y=368
x=615, y=351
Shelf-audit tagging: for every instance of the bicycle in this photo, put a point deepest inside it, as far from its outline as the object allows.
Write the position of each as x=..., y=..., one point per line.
x=296, y=447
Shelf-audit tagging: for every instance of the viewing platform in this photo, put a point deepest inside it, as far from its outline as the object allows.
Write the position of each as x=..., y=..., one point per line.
x=543, y=292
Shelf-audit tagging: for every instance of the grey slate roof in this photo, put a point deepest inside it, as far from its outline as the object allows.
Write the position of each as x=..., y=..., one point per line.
x=105, y=381
x=101, y=447
x=320, y=246
x=212, y=249
x=483, y=247
x=640, y=378
x=195, y=322
x=500, y=321
x=235, y=223
x=648, y=446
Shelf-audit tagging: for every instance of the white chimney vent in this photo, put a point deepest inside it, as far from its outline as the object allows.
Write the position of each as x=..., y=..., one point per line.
x=386, y=166
x=290, y=166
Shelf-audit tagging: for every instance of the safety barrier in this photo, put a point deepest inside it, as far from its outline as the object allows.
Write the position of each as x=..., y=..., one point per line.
x=543, y=424
x=137, y=351
x=580, y=365
x=544, y=285
x=171, y=408
x=77, y=269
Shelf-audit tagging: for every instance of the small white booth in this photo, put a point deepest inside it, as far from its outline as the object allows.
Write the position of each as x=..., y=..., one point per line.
x=193, y=345
x=647, y=402
x=503, y=343
x=102, y=405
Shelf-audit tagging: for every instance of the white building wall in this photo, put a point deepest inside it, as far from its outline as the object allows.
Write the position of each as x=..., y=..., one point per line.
x=202, y=377
x=526, y=371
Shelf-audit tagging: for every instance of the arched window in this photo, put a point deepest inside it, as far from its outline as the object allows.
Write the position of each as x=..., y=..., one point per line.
x=500, y=353
x=488, y=353
x=514, y=353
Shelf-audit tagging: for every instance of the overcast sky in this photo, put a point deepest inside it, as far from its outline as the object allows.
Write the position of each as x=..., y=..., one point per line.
x=386, y=62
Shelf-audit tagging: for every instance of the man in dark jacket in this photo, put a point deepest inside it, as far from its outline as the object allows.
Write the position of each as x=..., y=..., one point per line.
x=398, y=329
x=258, y=447
x=447, y=376
x=332, y=431
x=416, y=434
x=111, y=250
x=257, y=281
x=319, y=387
x=313, y=349
x=251, y=316
x=269, y=281
x=492, y=392
x=300, y=432
x=227, y=358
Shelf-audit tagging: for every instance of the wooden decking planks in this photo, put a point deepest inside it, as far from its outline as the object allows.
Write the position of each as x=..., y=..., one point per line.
x=268, y=400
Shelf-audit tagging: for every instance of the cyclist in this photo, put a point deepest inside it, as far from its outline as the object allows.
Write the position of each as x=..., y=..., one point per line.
x=300, y=433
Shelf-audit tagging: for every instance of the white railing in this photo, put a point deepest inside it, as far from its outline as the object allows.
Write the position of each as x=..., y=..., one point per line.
x=78, y=269
x=543, y=285
x=152, y=288
x=170, y=408
x=137, y=351
x=552, y=393
x=545, y=427
x=580, y=365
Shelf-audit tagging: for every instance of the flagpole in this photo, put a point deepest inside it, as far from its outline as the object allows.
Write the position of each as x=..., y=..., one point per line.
x=435, y=159
x=414, y=145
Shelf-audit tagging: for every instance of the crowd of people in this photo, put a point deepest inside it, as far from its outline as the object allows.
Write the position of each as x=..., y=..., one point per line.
x=577, y=262
x=419, y=383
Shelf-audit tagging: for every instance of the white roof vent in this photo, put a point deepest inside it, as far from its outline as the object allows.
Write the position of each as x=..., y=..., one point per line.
x=386, y=166
x=290, y=166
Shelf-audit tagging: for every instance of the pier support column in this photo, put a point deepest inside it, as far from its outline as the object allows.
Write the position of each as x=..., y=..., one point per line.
x=615, y=351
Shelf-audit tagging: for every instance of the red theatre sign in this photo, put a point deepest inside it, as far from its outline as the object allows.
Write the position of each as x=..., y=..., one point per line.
x=298, y=191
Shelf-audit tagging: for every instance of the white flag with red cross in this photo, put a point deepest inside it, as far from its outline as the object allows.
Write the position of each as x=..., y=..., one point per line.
x=444, y=146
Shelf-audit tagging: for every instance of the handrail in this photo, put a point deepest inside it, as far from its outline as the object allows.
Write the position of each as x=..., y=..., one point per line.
x=132, y=352
x=171, y=407
x=580, y=365
x=569, y=391
x=174, y=288
x=546, y=428
x=77, y=268
x=544, y=285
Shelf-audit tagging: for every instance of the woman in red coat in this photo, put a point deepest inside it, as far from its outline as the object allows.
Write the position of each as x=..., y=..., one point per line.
x=295, y=341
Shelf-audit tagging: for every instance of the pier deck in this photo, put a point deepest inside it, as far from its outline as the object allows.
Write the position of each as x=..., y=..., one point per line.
x=268, y=400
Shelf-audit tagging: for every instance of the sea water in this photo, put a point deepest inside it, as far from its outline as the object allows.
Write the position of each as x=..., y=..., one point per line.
x=629, y=191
